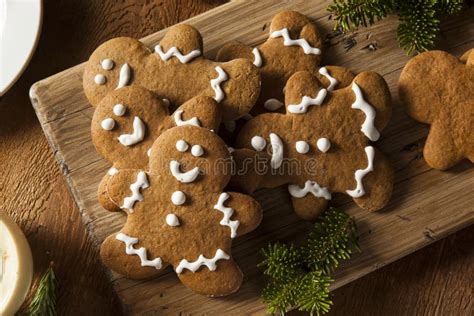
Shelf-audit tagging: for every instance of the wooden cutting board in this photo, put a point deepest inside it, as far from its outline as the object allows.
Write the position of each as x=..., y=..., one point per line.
x=426, y=205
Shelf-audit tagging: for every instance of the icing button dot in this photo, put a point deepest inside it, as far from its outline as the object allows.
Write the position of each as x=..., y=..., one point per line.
x=197, y=151
x=323, y=144
x=107, y=64
x=181, y=145
x=258, y=143
x=119, y=109
x=172, y=220
x=178, y=198
x=99, y=79
x=107, y=124
x=302, y=147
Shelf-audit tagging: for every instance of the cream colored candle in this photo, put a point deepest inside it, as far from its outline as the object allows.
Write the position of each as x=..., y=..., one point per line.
x=16, y=266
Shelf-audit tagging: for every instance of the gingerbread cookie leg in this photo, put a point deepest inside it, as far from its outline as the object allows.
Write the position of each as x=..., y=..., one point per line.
x=309, y=207
x=122, y=253
x=377, y=184
x=224, y=280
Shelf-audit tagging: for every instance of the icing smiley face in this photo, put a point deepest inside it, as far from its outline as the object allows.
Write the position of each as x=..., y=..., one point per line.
x=175, y=69
x=180, y=219
x=328, y=135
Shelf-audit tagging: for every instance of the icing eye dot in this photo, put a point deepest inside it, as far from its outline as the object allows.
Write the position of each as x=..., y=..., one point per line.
x=197, y=151
x=323, y=144
x=181, y=145
x=172, y=220
x=178, y=198
x=119, y=109
x=302, y=147
x=99, y=79
x=258, y=143
x=107, y=64
x=107, y=124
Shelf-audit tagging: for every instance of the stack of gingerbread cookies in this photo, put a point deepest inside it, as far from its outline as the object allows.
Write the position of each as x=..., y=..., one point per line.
x=161, y=118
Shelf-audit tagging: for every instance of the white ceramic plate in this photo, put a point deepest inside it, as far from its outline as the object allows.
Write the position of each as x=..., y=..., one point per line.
x=20, y=25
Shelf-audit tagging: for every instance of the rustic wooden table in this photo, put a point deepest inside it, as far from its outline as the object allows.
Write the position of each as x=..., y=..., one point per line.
x=436, y=280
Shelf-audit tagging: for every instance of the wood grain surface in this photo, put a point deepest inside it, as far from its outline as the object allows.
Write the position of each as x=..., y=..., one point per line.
x=436, y=280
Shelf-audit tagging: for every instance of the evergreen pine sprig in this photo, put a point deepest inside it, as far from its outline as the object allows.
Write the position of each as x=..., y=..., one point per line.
x=44, y=301
x=419, y=19
x=300, y=276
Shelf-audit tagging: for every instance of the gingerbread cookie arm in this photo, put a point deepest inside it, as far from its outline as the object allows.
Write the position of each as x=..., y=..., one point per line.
x=250, y=168
x=377, y=184
x=200, y=111
x=468, y=57
x=103, y=197
x=181, y=41
x=123, y=253
x=224, y=280
x=125, y=188
x=245, y=210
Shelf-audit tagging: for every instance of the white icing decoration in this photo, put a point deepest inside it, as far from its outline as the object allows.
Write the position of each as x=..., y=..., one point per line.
x=140, y=183
x=303, y=43
x=257, y=57
x=184, y=177
x=360, y=173
x=124, y=77
x=119, y=109
x=107, y=64
x=332, y=81
x=172, y=220
x=323, y=144
x=202, y=261
x=272, y=104
x=306, y=102
x=100, y=79
x=230, y=126
x=148, y=152
x=231, y=149
x=302, y=147
x=179, y=121
x=227, y=211
x=141, y=252
x=277, y=151
x=309, y=187
x=107, y=124
x=178, y=198
x=137, y=135
x=216, y=84
x=368, y=127
x=174, y=51
x=113, y=171
x=182, y=146
x=166, y=102
x=258, y=143
x=197, y=151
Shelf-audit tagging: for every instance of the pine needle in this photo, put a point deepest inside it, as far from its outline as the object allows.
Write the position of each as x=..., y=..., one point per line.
x=44, y=301
x=300, y=276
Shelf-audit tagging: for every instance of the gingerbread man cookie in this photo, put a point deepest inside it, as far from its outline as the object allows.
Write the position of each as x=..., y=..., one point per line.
x=127, y=121
x=437, y=88
x=294, y=45
x=321, y=145
x=176, y=70
x=178, y=214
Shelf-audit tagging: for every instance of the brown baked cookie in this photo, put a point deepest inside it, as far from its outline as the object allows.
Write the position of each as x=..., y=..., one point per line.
x=321, y=145
x=127, y=121
x=294, y=45
x=178, y=214
x=437, y=88
x=176, y=70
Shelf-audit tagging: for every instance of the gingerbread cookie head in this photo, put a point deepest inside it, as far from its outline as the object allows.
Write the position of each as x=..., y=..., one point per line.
x=294, y=44
x=437, y=88
x=179, y=215
x=322, y=144
x=175, y=70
